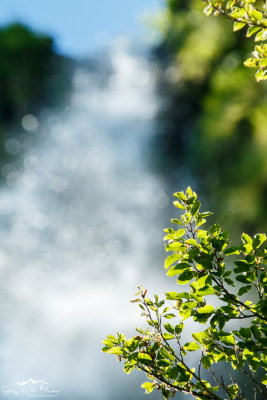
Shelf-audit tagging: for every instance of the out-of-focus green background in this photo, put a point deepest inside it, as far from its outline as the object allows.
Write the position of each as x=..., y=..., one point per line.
x=215, y=121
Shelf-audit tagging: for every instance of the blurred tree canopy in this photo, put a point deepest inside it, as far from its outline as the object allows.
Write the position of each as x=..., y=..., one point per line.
x=32, y=76
x=214, y=119
x=25, y=60
x=28, y=66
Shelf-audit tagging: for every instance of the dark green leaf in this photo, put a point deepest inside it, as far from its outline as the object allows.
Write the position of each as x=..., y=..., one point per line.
x=207, y=362
x=185, y=277
x=144, y=358
x=229, y=281
x=258, y=240
x=179, y=328
x=242, y=278
x=232, y=250
x=177, y=269
x=195, y=208
x=256, y=332
x=244, y=289
x=169, y=328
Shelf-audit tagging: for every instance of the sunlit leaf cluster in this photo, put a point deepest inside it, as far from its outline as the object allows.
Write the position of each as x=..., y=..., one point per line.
x=232, y=330
x=248, y=14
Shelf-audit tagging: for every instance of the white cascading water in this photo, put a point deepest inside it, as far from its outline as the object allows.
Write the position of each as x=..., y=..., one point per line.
x=81, y=226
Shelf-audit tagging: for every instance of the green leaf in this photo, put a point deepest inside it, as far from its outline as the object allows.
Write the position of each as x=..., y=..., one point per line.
x=189, y=191
x=208, y=10
x=168, y=336
x=258, y=240
x=144, y=358
x=177, y=269
x=256, y=14
x=115, y=350
x=179, y=205
x=165, y=354
x=180, y=195
x=191, y=346
x=177, y=296
x=201, y=282
x=246, y=248
x=205, y=291
x=208, y=309
x=176, y=221
x=252, y=62
x=171, y=259
x=169, y=328
x=237, y=13
x=191, y=241
x=131, y=344
x=207, y=361
x=232, y=250
x=263, y=62
x=229, y=281
x=246, y=238
x=233, y=390
x=148, y=386
x=242, y=266
x=186, y=314
x=242, y=278
x=172, y=372
x=256, y=332
x=244, y=289
x=166, y=393
x=185, y=277
x=173, y=295
x=195, y=208
x=128, y=368
x=227, y=339
x=199, y=336
x=177, y=246
x=188, y=305
x=205, y=214
x=108, y=342
x=215, y=229
x=239, y=25
x=169, y=316
x=252, y=29
x=163, y=363
x=179, y=328
x=261, y=75
x=245, y=333
x=179, y=233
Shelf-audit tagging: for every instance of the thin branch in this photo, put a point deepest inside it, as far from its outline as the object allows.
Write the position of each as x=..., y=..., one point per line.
x=235, y=299
x=159, y=329
x=178, y=388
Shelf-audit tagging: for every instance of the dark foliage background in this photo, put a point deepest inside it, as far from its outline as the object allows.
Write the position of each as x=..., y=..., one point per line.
x=213, y=122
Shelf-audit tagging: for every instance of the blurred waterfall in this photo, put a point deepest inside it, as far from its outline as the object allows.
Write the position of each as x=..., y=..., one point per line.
x=81, y=226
